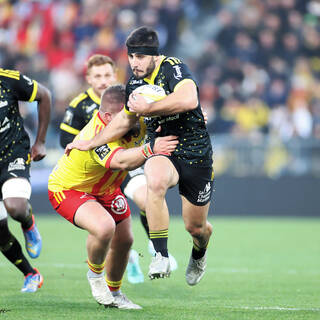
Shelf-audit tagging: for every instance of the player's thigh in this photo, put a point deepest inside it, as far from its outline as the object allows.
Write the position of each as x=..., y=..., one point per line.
x=160, y=172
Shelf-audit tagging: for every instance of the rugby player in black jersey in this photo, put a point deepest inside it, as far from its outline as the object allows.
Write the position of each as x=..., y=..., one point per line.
x=15, y=159
x=190, y=165
x=100, y=74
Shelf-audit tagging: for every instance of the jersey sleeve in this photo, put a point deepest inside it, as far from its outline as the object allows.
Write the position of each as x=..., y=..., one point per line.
x=176, y=73
x=24, y=88
x=73, y=121
x=104, y=154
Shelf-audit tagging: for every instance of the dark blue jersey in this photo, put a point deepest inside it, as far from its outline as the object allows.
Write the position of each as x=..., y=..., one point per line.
x=195, y=145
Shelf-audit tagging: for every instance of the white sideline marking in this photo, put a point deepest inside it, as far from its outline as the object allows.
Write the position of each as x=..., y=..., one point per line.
x=273, y=308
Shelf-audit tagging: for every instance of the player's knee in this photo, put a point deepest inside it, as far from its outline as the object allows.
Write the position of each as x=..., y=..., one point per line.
x=105, y=231
x=17, y=207
x=158, y=185
x=195, y=230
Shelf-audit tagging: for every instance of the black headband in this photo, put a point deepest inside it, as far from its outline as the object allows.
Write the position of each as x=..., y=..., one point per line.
x=149, y=51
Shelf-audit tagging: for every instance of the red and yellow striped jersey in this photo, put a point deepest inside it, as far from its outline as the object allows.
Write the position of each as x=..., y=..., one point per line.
x=89, y=171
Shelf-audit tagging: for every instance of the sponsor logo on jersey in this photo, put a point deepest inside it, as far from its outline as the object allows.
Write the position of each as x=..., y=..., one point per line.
x=169, y=118
x=68, y=117
x=102, y=151
x=178, y=73
x=91, y=108
x=17, y=164
x=4, y=125
x=3, y=104
x=119, y=205
x=136, y=81
x=205, y=194
x=28, y=80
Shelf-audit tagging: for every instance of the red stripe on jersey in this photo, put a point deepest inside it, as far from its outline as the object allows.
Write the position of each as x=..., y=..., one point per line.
x=107, y=165
x=96, y=188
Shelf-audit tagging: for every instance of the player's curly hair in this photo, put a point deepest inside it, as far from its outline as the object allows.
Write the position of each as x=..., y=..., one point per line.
x=143, y=36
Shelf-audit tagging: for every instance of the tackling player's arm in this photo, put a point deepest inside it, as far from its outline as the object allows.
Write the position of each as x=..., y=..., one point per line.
x=43, y=96
x=132, y=158
x=116, y=129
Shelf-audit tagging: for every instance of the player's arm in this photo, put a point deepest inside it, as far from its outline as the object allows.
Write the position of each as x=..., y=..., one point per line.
x=183, y=99
x=132, y=158
x=116, y=129
x=43, y=96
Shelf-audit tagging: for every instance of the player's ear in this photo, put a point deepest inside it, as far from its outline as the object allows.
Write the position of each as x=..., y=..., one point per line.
x=107, y=116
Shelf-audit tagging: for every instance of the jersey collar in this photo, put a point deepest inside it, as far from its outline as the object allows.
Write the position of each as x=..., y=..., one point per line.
x=155, y=72
x=93, y=96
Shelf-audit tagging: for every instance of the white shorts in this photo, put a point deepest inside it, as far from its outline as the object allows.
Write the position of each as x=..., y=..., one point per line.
x=16, y=188
x=133, y=184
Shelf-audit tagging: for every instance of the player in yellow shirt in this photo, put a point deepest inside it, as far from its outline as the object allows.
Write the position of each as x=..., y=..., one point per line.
x=84, y=188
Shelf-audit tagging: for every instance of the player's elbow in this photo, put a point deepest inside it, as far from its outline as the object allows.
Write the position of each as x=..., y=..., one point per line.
x=189, y=103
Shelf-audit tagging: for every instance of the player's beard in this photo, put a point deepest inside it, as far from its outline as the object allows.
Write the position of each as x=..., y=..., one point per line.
x=149, y=70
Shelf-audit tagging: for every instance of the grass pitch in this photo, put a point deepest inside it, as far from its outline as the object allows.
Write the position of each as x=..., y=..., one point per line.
x=262, y=268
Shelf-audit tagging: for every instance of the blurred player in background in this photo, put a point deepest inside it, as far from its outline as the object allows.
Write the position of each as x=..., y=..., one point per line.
x=84, y=188
x=100, y=74
x=15, y=159
x=190, y=165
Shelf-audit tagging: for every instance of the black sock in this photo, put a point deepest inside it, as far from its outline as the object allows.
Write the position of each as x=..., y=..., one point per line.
x=160, y=241
x=11, y=249
x=27, y=222
x=197, y=252
x=144, y=222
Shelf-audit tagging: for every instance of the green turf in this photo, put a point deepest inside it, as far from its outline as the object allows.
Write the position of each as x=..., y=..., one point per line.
x=257, y=269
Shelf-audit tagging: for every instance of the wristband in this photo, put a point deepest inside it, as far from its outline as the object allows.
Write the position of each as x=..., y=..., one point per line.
x=147, y=151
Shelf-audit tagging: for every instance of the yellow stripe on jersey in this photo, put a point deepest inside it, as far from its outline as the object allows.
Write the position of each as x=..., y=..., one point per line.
x=69, y=129
x=9, y=74
x=14, y=72
x=93, y=96
x=34, y=91
x=78, y=99
x=179, y=84
x=173, y=60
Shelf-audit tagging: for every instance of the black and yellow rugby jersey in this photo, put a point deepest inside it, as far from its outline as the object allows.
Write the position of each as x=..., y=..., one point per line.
x=78, y=114
x=14, y=87
x=194, y=141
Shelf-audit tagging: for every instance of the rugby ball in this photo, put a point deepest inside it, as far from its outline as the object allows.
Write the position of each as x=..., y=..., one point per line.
x=150, y=92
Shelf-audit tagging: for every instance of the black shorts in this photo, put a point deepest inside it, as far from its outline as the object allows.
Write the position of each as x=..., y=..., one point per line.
x=129, y=176
x=195, y=183
x=18, y=166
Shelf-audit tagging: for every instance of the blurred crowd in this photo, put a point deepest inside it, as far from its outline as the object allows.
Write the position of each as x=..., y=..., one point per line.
x=258, y=68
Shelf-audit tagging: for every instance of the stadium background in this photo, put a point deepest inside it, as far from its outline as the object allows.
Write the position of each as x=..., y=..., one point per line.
x=258, y=67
